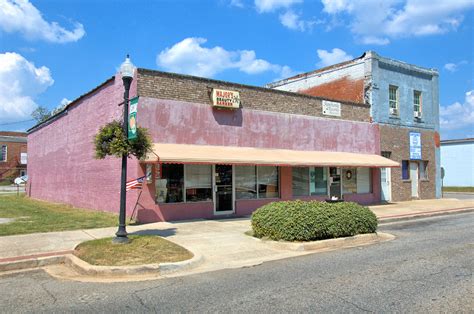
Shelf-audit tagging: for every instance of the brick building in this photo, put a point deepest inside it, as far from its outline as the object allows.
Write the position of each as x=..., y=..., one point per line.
x=403, y=101
x=13, y=155
x=208, y=161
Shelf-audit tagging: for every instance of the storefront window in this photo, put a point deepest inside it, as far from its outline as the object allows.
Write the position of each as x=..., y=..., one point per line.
x=364, y=180
x=198, y=183
x=267, y=181
x=349, y=181
x=169, y=187
x=310, y=181
x=245, y=182
x=319, y=181
x=300, y=181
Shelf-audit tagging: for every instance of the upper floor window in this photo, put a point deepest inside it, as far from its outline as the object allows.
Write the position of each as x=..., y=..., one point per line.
x=417, y=104
x=3, y=153
x=393, y=99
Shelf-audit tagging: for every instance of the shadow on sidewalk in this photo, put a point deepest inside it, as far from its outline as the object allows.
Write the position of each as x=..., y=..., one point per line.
x=159, y=232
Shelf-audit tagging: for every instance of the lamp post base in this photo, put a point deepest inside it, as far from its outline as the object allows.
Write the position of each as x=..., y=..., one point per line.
x=121, y=240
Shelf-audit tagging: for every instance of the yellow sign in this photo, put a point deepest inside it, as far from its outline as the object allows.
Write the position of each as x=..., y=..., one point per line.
x=225, y=99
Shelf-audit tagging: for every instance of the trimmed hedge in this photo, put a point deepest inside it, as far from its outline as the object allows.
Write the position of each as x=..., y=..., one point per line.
x=312, y=220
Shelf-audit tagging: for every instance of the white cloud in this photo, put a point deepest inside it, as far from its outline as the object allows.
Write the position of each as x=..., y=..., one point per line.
x=21, y=16
x=457, y=119
x=335, y=56
x=272, y=5
x=237, y=3
x=20, y=82
x=336, y=6
x=293, y=21
x=190, y=57
x=376, y=22
x=453, y=67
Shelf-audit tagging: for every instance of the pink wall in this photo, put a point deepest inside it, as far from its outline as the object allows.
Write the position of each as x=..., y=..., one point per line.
x=181, y=122
x=61, y=164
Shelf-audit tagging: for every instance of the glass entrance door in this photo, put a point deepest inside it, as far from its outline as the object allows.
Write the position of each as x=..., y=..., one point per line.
x=224, y=200
x=335, y=182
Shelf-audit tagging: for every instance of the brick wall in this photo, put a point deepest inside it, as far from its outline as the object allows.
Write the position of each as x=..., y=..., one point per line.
x=12, y=167
x=396, y=141
x=161, y=85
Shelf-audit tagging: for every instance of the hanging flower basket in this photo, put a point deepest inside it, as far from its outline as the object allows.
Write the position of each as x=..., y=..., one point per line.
x=111, y=141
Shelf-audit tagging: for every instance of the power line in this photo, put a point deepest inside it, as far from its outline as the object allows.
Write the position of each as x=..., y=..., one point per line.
x=17, y=122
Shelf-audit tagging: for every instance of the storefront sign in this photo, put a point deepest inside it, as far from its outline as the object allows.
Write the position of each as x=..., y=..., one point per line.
x=415, y=146
x=331, y=108
x=132, y=119
x=225, y=99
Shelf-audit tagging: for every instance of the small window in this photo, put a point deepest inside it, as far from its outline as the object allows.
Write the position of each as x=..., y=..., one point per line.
x=3, y=153
x=405, y=170
x=393, y=100
x=417, y=104
x=423, y=170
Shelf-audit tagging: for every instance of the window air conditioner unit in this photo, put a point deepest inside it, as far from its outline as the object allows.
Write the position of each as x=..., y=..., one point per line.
x=393, y=111
x=417, y=114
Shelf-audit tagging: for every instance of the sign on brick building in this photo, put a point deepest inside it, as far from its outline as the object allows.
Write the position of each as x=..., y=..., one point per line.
x=225, y=98
x=331, y=108
x=415, y=146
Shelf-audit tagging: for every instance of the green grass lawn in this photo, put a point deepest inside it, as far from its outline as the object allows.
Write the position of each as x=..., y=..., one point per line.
x=141, y=250
x=38, y=216
x=458, y=189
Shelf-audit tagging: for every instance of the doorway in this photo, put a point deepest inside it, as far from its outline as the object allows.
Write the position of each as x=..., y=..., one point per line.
x=223, y=189
x=335, y=182
x=414, y=178
x=386, y=188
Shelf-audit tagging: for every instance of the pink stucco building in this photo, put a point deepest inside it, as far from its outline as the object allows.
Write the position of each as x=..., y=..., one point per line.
x=208, y=161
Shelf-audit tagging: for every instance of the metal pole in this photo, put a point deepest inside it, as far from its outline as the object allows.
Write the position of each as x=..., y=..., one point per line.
x=121, y=234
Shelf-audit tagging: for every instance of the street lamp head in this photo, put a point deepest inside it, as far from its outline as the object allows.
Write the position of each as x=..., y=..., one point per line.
x=127, y=68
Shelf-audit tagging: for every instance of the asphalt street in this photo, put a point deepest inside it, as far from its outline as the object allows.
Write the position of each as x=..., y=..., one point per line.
x=459, y=196
x=427, y=268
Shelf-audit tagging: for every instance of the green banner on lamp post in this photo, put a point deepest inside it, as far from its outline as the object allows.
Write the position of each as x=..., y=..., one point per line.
x=132, y=119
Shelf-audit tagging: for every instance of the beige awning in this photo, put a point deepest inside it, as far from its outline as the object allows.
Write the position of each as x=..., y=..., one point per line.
x=197, y=154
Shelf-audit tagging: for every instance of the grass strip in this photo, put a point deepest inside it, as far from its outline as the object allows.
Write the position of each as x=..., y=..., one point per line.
x=141, y=250
x=32, y=216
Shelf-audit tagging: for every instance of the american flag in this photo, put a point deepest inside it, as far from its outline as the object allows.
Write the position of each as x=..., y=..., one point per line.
x=136, y=184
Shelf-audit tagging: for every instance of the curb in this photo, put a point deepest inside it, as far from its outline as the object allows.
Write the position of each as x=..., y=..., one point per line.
x=418, y=215
x=31, y=263
x=85, y=268
x=332, y=244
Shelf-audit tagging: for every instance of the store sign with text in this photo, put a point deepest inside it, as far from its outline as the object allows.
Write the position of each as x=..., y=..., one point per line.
x=225, y=99
x=331, y=108
x=415, y=146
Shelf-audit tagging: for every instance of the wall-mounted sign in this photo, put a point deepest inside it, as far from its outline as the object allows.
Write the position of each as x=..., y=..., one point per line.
x=225, y=98
x=331, y=108
x=415, y=146
x=132, y=119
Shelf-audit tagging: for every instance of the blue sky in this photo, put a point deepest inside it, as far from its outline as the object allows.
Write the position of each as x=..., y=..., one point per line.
x=53, y=51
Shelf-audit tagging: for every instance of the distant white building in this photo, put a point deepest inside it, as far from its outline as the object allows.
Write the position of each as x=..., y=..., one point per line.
x=457, y=159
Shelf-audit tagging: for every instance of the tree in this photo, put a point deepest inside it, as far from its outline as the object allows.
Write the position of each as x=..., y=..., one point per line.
x=41, y=114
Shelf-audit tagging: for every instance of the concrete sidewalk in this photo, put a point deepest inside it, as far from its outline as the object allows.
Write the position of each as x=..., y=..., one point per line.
x=222, y=243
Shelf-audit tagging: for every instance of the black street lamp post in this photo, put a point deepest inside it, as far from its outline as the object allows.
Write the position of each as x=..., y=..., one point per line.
x=126, y=69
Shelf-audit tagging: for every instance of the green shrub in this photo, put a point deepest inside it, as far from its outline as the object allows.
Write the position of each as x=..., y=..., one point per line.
x=312, y=220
